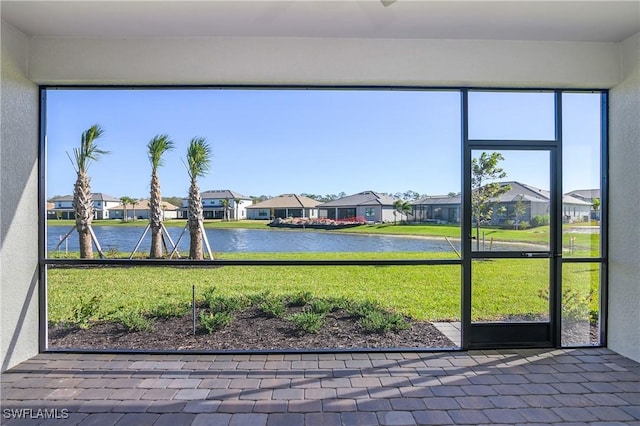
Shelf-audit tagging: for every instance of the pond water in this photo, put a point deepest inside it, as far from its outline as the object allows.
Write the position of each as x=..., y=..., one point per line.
x=124, y=239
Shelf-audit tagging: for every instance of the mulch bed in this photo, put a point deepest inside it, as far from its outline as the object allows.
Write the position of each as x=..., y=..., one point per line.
x=250, y=330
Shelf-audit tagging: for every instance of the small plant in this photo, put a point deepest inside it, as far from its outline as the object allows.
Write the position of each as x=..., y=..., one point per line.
x=362, y=309
x=219, y=303
x=256, y=299
x=300, y=299
x=321, y=306
x=273, y=307
x=113, y=252
x=308, y=322
x=383, y=322
x=85, y=310
x=169, y=310
x=214, y=321
x=133, y=321
x=575, y=305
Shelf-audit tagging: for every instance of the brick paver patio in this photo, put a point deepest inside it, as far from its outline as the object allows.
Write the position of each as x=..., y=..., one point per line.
x=568, y=386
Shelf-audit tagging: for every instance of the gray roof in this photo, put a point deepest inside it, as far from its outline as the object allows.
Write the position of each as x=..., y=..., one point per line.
x=585, y=194
x=517, y=191
x=96, y=196
x=221, y=194
x=365, y=198
x=286, y=201
x=439, y=200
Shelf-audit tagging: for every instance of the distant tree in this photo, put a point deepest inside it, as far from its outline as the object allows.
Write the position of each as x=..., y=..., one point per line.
x=198, y=163
x=125, y=200
x=133, y=202
x=411, y=195
x=156, y=149
x=519, y=210
x=225, y=209
x=259, y=198
x=236, y=205
x=403, y=207
x=82, y=198
x=451, y=194
x=175, y=201
x=484, y=188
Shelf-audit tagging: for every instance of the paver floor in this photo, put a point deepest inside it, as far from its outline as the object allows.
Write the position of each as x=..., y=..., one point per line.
x=567, y=386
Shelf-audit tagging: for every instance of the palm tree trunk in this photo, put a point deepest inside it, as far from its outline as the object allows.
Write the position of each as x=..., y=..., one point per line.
x=195, y=218
x=83, y=210
x=155, y=218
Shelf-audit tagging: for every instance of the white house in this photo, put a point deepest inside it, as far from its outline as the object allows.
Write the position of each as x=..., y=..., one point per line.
x=102, y=203
x=216, y=202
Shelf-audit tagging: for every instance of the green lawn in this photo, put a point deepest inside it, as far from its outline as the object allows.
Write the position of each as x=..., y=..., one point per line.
x=505, y=287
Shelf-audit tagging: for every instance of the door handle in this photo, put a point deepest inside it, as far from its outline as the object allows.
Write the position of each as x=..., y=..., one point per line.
x=534, y=254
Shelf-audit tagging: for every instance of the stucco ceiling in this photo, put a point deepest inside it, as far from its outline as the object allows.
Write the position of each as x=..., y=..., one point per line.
x=596, y=21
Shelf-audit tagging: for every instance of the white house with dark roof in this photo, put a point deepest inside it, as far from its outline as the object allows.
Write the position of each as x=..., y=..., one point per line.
x=213, y=205
x=368, y=205
x=63, y=206
x=283, y=206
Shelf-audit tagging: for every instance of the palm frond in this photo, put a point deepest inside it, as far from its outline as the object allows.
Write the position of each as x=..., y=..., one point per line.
x=88, y=149
x=199, y=156
x=157, y=147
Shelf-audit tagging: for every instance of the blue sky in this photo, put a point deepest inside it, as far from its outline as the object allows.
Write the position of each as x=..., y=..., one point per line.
x=315, y=141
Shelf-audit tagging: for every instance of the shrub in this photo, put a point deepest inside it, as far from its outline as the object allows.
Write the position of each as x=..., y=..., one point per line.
x=321, y=306
x=507, y=224
x=133, y=321
x=273, y=307
x=383, y=322
x=540, y=220
x=523, y=225
x=85, y=310
x=226, y=303
x=300, y=299
x=256, y=299
x=169, y=310
x=362, y=309
x=308, y=322
x=213, y=322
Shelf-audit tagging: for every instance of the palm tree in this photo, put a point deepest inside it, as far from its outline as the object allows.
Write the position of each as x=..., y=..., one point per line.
x=236, y=204
x=82, y=199
x=225, y=209
x=403, y=207
x=198, y=163
x=133, y=202
x=157, y=147
x=125, y=202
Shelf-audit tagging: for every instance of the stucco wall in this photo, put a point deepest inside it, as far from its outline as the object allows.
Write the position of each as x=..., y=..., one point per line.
x=324, y=61
x=624, y=202
x=18, y=210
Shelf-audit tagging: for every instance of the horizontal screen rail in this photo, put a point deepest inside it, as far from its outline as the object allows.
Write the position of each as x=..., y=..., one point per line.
x=248, y=262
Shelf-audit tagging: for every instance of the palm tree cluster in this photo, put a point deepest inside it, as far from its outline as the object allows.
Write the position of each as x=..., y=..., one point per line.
x=198, y=163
